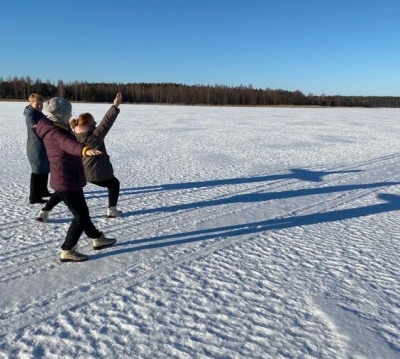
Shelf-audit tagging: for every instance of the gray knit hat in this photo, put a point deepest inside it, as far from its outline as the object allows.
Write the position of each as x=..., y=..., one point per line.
x=59, y=108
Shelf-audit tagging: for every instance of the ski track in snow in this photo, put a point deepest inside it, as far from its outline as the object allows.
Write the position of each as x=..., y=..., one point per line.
x=225, y=267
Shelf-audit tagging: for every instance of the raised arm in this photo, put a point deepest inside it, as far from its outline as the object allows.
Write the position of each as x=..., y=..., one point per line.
x=109, y=118
x=118, y=99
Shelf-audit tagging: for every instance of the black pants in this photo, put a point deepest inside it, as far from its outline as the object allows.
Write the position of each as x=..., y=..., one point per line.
x=38, y=186
x=52, y=201
x=76, y=203
x=112, y=185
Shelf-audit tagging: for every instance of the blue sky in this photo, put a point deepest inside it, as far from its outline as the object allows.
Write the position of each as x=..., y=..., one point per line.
x=343, y=47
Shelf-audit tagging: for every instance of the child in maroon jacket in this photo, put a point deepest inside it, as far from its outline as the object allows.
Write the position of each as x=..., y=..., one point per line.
x=67, y=177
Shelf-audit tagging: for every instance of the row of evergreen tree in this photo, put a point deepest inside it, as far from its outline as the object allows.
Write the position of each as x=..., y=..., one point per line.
x=171, y=93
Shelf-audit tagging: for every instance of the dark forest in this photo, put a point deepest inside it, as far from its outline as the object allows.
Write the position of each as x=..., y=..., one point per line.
x=181, y=94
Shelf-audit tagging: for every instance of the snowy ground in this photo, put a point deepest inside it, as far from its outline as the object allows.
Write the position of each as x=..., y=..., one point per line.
x=248, y=233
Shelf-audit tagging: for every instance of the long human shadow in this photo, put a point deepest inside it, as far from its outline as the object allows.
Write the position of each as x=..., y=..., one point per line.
x=294, y=173
x=252, y=198
x=260, y=197
x=391, y=203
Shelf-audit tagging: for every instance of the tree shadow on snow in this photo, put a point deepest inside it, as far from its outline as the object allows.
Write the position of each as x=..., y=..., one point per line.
x=390, y=203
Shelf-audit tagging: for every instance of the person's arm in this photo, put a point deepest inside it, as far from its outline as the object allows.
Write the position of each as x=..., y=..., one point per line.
x=74, y=147
x=63, y=141
x=109, y=118
x=118, y=99
x=90, y=152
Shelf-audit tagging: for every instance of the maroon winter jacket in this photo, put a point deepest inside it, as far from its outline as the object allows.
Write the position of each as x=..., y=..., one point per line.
x=65, y=156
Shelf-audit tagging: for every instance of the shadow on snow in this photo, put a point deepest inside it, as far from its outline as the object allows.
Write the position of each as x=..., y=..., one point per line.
x=260, y=197
x=391, y=203
x=295, y=173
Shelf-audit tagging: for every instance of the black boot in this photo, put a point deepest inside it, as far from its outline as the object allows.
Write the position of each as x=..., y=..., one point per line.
x=44, y=179
x=35, y=195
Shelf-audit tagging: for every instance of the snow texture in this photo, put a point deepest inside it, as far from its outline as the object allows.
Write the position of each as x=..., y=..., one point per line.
x=247, y=233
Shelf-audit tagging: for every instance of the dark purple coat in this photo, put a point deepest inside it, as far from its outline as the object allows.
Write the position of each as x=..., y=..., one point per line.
x=65, y=156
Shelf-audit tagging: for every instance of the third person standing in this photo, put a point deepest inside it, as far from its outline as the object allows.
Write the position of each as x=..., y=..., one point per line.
x=98, y=169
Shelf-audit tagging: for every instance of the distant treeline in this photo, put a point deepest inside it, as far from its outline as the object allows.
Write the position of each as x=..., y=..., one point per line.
x=171, y=93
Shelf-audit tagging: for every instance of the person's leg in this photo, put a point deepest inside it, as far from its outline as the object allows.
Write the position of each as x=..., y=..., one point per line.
x=44, y=180
x=35, y=195
x=82, y=222
x=43, y=215
x=113, y=192
x=32, y=188
x=52, y=202
x=112, y=186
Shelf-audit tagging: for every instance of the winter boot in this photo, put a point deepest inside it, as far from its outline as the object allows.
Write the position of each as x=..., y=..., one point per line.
x=42, y=216
x=112, y=212
x=43, y=180
x=35, y=195
x=103, y=242
x=72, y=255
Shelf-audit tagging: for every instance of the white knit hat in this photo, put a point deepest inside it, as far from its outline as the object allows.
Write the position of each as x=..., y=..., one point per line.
x=60, y=108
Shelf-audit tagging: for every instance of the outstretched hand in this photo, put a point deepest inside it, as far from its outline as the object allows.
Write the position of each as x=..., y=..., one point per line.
x=118, y=99
x=93, y=152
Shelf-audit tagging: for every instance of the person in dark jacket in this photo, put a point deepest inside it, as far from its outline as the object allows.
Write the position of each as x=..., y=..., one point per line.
x=36, y=152
x=99, y=170
x=67, y=177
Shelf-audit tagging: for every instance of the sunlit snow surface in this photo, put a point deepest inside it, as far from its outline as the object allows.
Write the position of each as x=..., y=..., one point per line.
x=247, y=233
